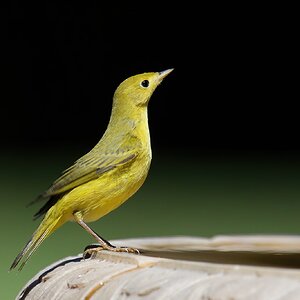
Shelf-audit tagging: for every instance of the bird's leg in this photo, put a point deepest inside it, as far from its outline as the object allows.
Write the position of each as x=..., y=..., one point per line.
x=104, y=244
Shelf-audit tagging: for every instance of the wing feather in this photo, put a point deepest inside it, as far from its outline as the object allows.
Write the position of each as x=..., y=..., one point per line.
x=82, y=172
x=104, y=157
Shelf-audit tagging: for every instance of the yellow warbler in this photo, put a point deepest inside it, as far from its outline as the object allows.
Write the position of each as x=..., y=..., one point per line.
x=109, y=174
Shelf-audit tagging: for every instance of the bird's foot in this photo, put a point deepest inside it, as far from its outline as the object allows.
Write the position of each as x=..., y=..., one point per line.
x=91, y=250
x=126, y=249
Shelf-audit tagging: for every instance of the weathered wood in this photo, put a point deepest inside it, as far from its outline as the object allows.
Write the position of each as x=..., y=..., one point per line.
x=232, y=267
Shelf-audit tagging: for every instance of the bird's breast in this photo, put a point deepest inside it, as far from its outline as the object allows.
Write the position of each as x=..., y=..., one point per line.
x=102, y=195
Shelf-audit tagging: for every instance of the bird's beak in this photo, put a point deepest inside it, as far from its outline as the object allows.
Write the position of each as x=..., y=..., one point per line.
x=163, y=74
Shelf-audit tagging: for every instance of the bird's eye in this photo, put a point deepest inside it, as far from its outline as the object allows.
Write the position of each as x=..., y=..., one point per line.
x=145, y=83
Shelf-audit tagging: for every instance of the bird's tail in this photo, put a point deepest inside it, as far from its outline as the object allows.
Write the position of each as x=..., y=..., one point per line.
x=48, y=225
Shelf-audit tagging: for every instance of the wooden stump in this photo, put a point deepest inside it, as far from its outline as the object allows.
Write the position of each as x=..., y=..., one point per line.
x=224, y=267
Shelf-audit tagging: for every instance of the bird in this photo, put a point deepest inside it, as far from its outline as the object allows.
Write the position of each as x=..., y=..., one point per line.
x=105, y=177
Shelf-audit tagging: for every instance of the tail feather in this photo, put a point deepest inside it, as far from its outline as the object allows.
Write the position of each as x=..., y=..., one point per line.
x=44, y=230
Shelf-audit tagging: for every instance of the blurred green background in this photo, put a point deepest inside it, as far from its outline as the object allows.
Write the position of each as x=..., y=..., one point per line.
x=194, y=195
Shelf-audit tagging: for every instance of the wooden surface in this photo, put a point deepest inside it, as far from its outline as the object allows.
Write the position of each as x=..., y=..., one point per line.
x=232, y=267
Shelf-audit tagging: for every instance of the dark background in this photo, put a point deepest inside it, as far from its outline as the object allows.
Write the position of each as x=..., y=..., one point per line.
x=224, y=124
x=233, y=88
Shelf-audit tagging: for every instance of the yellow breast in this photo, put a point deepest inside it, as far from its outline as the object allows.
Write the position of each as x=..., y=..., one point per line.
x=98, y=197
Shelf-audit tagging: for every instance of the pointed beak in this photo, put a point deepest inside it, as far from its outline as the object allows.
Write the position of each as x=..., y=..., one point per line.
x=163, y=74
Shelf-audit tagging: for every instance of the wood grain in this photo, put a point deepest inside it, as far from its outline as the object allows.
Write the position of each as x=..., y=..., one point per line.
x=224, y=267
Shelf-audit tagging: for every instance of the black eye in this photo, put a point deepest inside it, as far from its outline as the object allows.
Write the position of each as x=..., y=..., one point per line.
x=145, y=83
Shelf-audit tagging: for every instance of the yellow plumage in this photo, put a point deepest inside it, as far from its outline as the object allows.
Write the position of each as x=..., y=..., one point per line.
x=109, y=174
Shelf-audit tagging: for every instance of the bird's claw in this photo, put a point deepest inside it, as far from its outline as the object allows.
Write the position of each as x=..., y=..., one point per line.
x=90, y=252
x=127, y=249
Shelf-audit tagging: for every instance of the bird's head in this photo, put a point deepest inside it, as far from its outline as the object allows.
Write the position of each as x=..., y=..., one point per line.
x=137, y=90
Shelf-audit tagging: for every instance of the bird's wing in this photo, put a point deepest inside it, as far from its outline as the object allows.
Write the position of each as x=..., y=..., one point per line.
x=90, y=166
x=101, y=159
x=87, y=168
